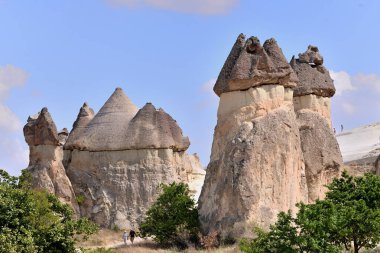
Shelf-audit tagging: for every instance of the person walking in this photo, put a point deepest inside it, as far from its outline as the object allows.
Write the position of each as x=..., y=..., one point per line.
x=132, y=234
x=125, y=237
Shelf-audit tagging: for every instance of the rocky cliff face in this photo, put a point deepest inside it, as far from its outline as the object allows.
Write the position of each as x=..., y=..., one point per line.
x=321, y=153
x=45, y=158
x=361, y=149
x=117, y=159
x=256, y=168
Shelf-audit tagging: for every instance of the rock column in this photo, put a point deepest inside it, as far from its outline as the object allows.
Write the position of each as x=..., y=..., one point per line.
x=321, y=152
x=256, y=168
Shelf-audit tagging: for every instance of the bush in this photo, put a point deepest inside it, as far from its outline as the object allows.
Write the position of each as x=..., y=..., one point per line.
x=173, y=218
x=349, y=217
x=35, y=221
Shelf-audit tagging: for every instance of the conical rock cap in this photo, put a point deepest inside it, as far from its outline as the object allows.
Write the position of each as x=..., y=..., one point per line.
x=249, y=64
x=107, y=130
x=155, y=129
x=85, y=115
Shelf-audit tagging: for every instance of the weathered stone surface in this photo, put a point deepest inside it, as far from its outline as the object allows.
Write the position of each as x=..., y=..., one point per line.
x=62, y=136
x=108, y=129
x=85, y=115
x=256, y=168
x=119, y=186
x=41, y=130
x=313, y=78
x=311, y=55
x=154, y=129
x=315, y=103
x=249, y=64
x=45, y=158
x=322, y=156
x=323, y=160
x=195, y=174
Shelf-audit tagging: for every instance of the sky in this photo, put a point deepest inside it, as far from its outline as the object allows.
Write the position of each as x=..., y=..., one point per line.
x=59, y=54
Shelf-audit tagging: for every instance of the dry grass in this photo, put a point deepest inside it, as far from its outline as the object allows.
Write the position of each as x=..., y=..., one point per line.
x=107, y=238
x=104, y=238
x=149, y=249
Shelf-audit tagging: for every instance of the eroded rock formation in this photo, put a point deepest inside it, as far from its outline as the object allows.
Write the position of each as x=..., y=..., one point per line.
x=256, y=168
x=45, y=158
x=320, y=148
x=117, y=159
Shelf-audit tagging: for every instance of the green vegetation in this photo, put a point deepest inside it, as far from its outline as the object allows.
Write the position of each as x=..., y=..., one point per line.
x=80, y=199
x=173, y=218
x=349, y=218
x=35, y=221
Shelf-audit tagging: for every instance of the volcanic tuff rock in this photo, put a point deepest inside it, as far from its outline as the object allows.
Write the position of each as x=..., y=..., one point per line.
x=117, y=174
x=86, y=114
x=45, y=158
x=249, y=64
x=256, y=168
x=321, y=153
x=108, y=129
x=152, y=128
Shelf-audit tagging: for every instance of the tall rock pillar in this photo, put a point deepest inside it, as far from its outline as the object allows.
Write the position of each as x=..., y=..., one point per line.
x=256, y=168
x=45, y=158
x=321, y=152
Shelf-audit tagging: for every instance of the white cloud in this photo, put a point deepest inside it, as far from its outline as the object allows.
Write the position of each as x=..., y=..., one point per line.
x=348, y=107
x=371, y=80
x=342, y=81
x=13, y=154
x=357, y=99
x=203, y=7
x=10, y=77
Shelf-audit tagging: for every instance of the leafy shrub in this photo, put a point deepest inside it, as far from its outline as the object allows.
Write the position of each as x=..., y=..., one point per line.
x=35, y=221
x=173, y=218
x=349, y=217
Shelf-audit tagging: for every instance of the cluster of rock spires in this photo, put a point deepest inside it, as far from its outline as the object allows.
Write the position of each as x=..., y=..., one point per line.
x=273, y=144
x=111, y=164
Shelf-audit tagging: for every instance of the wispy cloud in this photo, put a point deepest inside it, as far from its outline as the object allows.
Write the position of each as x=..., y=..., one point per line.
x=10, y=77
x=357, y=99
x=202, y=7
x=13, y=153
x=342, y=81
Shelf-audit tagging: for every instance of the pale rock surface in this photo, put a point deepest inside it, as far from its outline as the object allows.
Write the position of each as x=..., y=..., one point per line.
x=152, y=128
x=108, y=129
x=85, y=115
x=256, y=168
x=361, y=149
x=120, y=186
x=45, y=158
x=117, y=159
x=322, y=156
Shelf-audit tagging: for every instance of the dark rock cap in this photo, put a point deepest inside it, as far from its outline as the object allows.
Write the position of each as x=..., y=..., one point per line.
x=154, y=129
x=313, y=77
x=249, y=64
x=41, y=130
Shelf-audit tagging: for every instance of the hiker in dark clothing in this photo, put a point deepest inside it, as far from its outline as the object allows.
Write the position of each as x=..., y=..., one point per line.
x=132, y=234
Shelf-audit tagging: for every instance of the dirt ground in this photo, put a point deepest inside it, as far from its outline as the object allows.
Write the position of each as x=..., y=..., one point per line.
x=110, y=239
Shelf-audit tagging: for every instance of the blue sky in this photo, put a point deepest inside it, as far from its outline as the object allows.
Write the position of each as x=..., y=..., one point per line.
x=61, y=53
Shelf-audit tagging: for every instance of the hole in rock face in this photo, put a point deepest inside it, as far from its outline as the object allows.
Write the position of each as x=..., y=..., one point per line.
x=253, y=45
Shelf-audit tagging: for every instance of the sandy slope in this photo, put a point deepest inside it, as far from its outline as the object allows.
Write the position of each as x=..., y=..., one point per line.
x=359, y=142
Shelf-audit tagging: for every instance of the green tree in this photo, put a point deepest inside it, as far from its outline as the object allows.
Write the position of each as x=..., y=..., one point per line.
x=173, y=218
x=35, y=221
x=348, y=217
x=357, y=203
